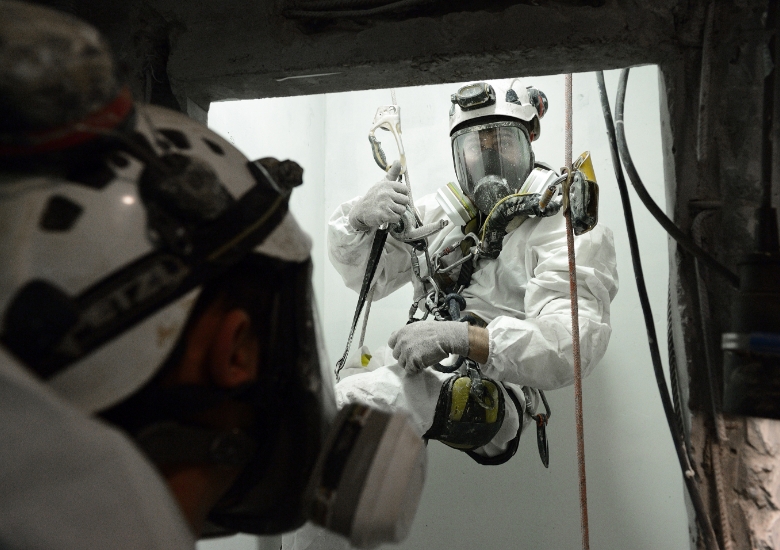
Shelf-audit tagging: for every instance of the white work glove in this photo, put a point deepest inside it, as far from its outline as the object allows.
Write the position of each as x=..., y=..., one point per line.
x=425, y=343
x=383, y=203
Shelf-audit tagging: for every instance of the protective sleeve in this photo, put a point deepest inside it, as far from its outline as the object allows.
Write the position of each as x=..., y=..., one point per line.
x=71, y=482
x=537, y=351
x=348, y=250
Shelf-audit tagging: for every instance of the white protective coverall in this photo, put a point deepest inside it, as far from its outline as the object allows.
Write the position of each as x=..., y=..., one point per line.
x=523, y=296
x=70, y=482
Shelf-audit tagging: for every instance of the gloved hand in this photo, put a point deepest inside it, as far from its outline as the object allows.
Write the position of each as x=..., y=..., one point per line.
x=383, y=203
x=425, y=343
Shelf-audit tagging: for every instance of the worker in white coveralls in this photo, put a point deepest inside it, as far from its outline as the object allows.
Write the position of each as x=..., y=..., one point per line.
x=517, y=337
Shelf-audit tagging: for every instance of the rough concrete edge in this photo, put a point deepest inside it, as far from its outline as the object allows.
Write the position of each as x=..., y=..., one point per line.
x=673, y=94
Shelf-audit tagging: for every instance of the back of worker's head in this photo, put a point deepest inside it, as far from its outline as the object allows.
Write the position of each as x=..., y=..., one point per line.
x=110, y=258
x=105, y=263
x=262, y=419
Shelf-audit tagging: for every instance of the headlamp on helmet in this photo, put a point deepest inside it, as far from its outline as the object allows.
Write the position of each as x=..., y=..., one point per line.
x=474, y=96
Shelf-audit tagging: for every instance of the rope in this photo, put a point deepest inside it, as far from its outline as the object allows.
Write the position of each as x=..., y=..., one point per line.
x=575, y=328
x=567, y=124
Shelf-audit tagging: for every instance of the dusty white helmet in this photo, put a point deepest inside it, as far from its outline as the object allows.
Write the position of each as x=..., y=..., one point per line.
x=491, y=130
x=102, y=265
x=481, y=100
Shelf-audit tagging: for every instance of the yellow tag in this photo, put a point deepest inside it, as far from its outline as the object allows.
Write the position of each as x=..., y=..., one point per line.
x=585, y=165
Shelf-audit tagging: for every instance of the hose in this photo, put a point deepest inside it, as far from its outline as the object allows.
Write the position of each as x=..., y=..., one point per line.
x=679, y=445
x=675, y=232
x=720, y=441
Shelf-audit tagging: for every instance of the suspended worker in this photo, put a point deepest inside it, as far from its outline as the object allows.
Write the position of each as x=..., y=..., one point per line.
x=517, y=304
x=519, y=328
x=153, y=277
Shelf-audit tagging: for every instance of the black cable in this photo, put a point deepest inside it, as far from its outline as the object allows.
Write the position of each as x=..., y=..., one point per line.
x=688, y=475
x=673, y=374
x=682, y=239
x=337, y=14
x=768, y=110
x=767, y=215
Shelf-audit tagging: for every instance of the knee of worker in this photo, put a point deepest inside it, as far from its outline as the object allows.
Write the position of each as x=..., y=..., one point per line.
x=391, y=389
x=514, y=415
x=508, y=429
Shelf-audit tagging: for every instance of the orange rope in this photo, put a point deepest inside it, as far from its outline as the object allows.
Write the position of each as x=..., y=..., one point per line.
x=575, y=327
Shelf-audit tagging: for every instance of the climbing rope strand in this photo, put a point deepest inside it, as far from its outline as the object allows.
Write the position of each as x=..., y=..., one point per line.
x=575, y=327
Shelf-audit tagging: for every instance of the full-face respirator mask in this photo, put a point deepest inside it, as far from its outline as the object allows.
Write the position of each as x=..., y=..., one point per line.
x=491, y=134
x=499, y=185
x=492, y=161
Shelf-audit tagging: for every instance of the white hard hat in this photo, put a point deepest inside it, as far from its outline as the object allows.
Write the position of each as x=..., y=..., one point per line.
x=477, y=101
x=101, y=266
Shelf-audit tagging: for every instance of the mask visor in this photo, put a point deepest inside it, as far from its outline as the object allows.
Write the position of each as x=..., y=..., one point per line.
x=499, y=151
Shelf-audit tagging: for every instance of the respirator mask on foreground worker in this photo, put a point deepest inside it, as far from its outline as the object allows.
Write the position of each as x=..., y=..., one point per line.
x=359, y=474
x=101, y=272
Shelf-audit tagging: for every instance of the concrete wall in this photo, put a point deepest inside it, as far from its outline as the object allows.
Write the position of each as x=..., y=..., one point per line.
x=634, y=486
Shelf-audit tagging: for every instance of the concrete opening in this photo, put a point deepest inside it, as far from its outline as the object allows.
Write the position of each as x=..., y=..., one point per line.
x=635, y=489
